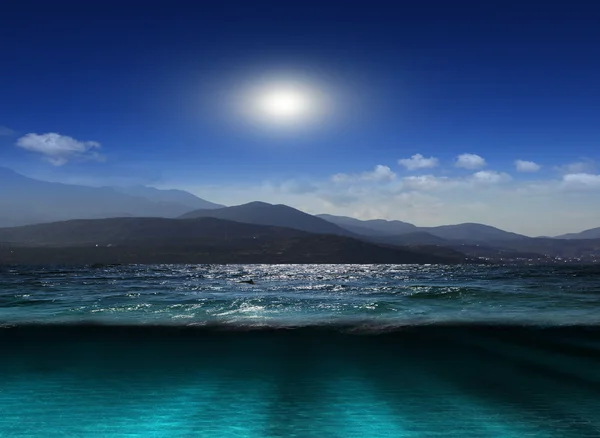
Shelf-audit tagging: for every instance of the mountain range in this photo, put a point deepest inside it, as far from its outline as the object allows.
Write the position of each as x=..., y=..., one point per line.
x=198, y=240
x=593, y=233
x=141, y=216
x=25, y=200
x=262, y=213
x=480, y=241
x=470, y=232
x=376, y=227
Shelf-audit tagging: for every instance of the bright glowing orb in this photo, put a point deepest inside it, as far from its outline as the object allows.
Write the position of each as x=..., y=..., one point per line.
x=283, y=104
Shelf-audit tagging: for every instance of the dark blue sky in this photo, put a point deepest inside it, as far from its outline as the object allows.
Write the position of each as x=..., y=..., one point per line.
x=503, y=80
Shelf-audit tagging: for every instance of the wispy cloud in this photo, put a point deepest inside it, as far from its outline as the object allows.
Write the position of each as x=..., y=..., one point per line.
x=428, y=182
x=582, y=166
x=527, y=166
x=440, y=183
x=60, y=149
x=298, y=187
x=490, y=177
x=379, y=174
x=584, y=180
x=418, y=161
x=470, y=161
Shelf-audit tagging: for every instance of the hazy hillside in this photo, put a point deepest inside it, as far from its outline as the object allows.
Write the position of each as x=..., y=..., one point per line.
x=169, y=195
x=375, y=227
x=483, y=241
x=415, y=238
x=261, y=213
x=472, y=232
x=379, y=227
x=201, y=240
x=25, y=200
x=114, y=230
x=593, y=233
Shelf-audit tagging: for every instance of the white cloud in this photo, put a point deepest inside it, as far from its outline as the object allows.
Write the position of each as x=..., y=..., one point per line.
x=340, y=178
x=6, y=132
x=584, y=166
x=379, y=174
x=428, y=182
x=418, y=161
x=297, y=187
x=527, y=166
x=60, y=149
x=490, y=177
x=581, y=180
x=470, y=161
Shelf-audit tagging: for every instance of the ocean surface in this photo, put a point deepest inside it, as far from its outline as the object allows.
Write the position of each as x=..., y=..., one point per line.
x=304, y=351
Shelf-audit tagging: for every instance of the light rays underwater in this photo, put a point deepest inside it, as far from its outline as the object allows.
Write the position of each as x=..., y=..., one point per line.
x=462, y=381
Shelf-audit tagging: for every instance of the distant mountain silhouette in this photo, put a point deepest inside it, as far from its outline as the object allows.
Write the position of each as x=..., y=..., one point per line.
x=482, y=241
x=201, y=240
x=168, y=195
x=262, y=213
x=408, y=239
x=114, y=230
x=593, y=233
x=25, y=200
x=472, y=232
x=424, y=235
x=375, y=227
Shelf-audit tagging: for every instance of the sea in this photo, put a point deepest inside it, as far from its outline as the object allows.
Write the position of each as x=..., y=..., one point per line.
x=300, y=351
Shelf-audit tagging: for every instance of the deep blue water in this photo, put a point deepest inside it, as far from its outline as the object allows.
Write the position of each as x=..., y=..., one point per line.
x=307, y=351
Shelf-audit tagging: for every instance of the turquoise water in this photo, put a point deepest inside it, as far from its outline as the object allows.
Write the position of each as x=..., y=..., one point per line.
x=307, y=351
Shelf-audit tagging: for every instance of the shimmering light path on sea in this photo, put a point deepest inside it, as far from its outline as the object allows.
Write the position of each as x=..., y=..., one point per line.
x=300, y=295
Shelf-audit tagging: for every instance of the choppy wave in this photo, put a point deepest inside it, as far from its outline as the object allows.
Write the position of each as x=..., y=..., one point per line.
x=297, y=295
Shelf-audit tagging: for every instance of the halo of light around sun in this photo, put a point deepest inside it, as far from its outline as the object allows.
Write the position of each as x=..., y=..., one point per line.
x=284, y=104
